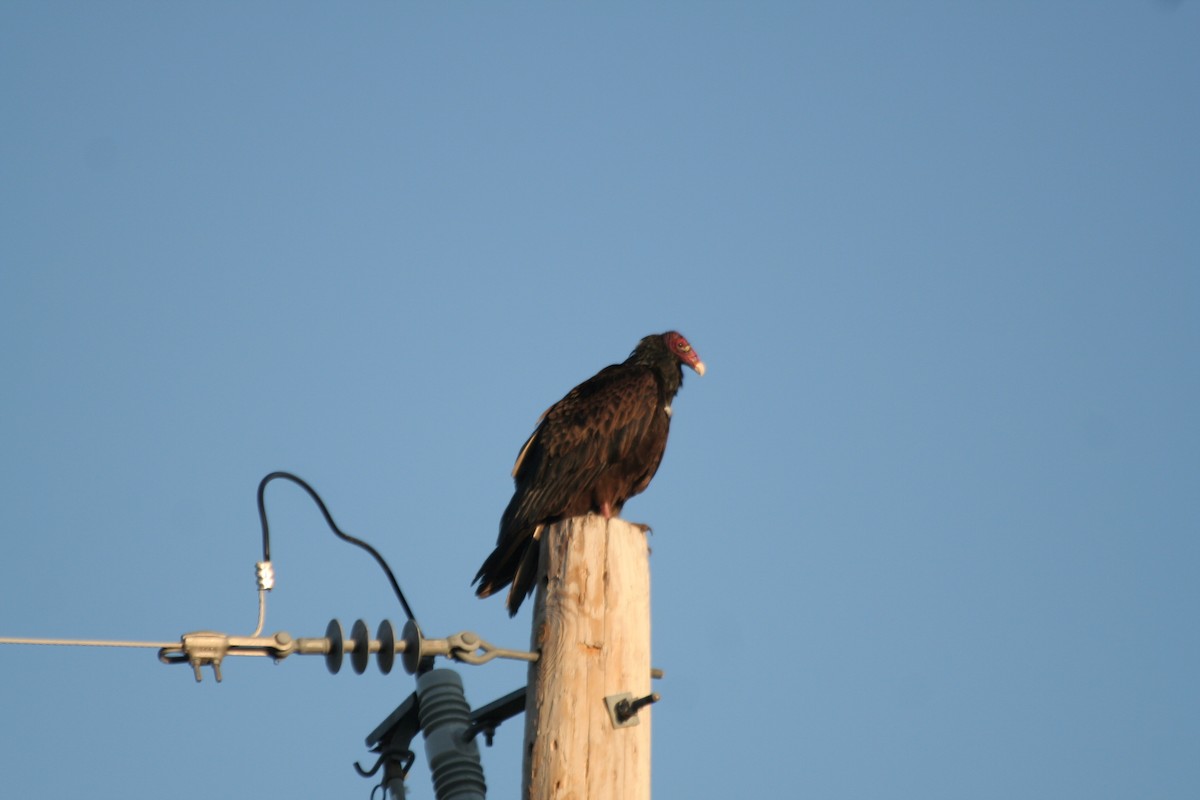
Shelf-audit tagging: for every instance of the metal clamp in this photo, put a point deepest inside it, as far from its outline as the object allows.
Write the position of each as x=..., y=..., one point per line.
x=209, y=648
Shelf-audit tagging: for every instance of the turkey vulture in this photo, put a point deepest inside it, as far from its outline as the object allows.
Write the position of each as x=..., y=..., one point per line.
x=593, y=450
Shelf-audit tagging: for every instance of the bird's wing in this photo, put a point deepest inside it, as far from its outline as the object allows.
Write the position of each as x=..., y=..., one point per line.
x=599, y=424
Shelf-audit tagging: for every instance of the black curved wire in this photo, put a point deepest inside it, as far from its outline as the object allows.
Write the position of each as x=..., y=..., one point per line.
x=262, y=516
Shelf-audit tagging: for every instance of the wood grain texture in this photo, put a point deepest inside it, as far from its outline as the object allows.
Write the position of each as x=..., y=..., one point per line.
x=592, y=626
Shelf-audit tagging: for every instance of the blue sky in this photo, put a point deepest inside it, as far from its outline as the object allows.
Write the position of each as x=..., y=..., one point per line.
x=927, y=528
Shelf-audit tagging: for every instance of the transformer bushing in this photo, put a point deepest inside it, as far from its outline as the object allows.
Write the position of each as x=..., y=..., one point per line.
x=453, y=757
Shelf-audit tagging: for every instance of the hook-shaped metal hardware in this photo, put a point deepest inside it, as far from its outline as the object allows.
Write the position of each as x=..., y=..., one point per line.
x=402, y=760
x=470, y=648
x=367, y=773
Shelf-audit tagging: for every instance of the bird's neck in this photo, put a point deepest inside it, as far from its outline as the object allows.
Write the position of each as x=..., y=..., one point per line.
x=668, y=371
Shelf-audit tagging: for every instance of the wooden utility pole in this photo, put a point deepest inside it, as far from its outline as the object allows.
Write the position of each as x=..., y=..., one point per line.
x=591, y=623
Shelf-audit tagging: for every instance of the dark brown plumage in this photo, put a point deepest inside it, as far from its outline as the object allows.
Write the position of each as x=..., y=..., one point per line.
x=591, y=451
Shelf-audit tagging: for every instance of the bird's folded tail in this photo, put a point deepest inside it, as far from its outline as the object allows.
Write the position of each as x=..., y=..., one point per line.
x=514, y=563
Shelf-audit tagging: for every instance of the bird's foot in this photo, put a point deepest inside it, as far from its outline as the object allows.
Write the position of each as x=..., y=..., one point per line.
x=642, y=527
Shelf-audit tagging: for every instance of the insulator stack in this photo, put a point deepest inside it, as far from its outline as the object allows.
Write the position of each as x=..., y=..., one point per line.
x=360, y=645
x=453, y=757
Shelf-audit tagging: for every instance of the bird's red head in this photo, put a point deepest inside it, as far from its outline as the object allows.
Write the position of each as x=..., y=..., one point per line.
x=680, y=348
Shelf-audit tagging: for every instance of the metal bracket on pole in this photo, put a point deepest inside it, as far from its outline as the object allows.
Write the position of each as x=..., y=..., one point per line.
x=392, y=740
x=623, y=709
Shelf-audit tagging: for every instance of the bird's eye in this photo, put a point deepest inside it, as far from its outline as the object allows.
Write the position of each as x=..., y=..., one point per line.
x=683, y=347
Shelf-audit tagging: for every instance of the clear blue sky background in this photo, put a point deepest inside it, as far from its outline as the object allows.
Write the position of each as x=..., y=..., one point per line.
x=927, y=529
